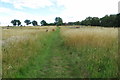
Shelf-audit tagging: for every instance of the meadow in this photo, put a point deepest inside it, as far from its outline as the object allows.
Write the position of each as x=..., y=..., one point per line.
x=67, y=52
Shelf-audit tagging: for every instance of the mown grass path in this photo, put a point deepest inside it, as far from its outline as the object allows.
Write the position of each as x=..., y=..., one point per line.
x=50, y=62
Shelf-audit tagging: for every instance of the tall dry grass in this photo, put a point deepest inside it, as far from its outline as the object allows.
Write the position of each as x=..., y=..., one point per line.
x=95, y=50
x=20, y=45
x=7, y=33
x=21, y=31
x=24, y=45
x=96, y=37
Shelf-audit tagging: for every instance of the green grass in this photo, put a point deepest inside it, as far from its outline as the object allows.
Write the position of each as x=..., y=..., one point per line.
x=94, y=52
x=48, y=56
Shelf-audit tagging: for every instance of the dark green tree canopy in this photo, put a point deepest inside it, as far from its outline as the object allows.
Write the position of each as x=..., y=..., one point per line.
x=117, y=20
x=16, y=22
x=34, y=23
x=91, y=21
x=43, y=23
x=112, y=20
x=108, y=21
x=27, y=22
x=95, y=21
x=58, y=21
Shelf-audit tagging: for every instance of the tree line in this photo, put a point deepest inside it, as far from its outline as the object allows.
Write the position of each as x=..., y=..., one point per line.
x=58, y=22
x=106, y=21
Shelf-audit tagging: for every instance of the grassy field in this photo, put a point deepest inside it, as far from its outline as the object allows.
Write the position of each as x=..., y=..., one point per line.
x=67, y=52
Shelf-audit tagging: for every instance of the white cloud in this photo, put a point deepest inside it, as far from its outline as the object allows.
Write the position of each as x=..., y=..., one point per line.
x=19, y=4
x=74, y=10
x=80, y=9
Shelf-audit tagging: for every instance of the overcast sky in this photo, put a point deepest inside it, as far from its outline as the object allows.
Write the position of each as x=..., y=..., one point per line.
x=68, y=10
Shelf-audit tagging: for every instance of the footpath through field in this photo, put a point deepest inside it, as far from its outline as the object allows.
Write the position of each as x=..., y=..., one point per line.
x=51, y=63
x=49, y=56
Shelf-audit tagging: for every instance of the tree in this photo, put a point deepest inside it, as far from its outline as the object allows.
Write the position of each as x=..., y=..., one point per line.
x=95, y=21
x=112, y=19
x=108, y=21
x=27, y=22
x=43, y=23
x=91, y=21
x=87, y=21
x=117, y=20
x=58, y=21
x=70, y=23
x=34, y=23
x=77, y=23
x=16, y=22
x=104, y=21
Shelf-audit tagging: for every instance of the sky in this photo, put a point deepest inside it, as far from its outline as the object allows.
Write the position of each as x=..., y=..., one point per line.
x=68, y=10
